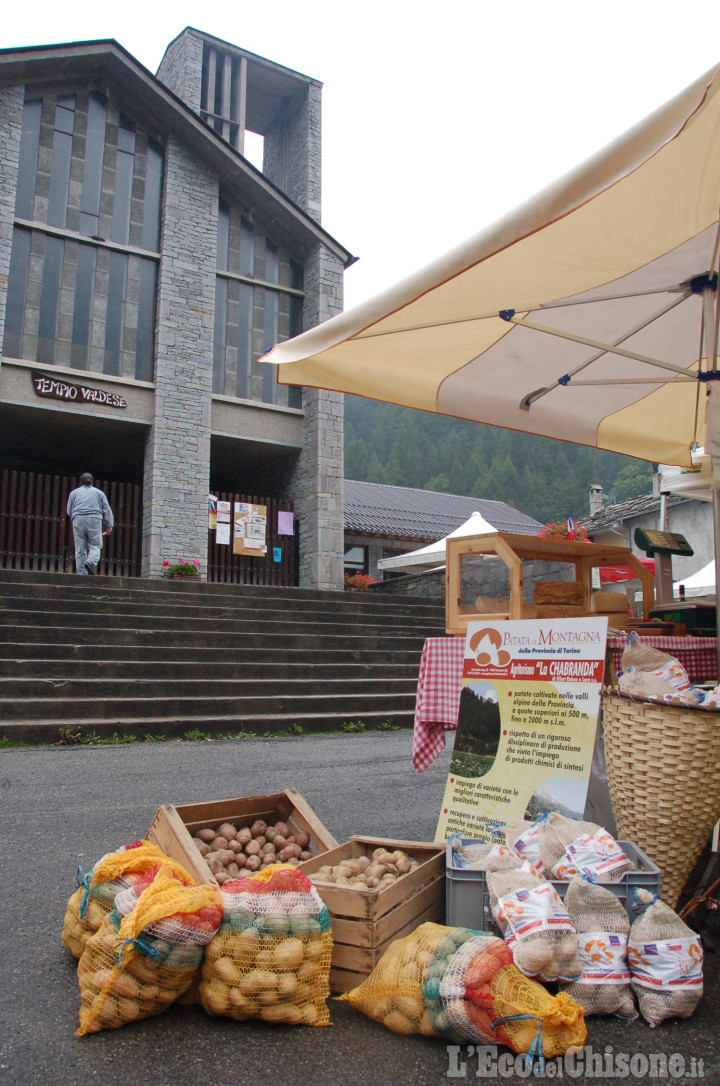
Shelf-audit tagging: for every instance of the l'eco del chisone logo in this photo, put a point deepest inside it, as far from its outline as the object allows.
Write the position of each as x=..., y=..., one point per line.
x=486, y=644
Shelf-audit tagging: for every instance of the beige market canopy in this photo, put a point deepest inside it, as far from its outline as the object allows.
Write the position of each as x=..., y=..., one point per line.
x=588, y=314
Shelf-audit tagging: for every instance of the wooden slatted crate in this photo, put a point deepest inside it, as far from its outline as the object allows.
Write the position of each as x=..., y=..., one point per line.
x=173, y=827
x=364, y=921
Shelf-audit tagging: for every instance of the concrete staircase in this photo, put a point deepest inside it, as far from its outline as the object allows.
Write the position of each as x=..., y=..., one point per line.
x=115, y=656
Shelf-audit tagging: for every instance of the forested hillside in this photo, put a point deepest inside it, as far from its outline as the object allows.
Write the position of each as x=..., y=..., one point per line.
x=546, y=479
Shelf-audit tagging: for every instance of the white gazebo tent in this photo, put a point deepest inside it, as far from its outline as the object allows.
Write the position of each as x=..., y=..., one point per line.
x=434, y=554
x=701, y=583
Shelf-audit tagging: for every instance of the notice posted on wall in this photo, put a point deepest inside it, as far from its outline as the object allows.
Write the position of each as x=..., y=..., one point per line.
x=223, y=514
x=249, y=529
x=529, y=710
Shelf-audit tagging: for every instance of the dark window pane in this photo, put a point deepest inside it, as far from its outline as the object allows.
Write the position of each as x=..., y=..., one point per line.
x=146, y=321
x=295, y=396
x=272, y=264
x=153, y=198
x=247, y=248
x=124, y=166
x=296, y=275
x=270, y=325
x=219, y=337
x=92, y=172
x=17, y=285
x=84, y=284
x=27, y=165
x=244, y=355
x=223, y=240
x=61, y=155
x=115, y=316
x=49, y=298
x=296, y=324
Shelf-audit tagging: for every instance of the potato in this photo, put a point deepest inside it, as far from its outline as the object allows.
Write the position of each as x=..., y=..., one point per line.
x=206, y=835
x=242, y=1005
x=308, y=971
x=403, y=865
x=219, y=843
x=235, y=846
x=252, y=848
x=126, y=986
x=228, y=831
x=258, y=827
x=261, y=841
x=398, y=1023
x=202, y=847
x=257, y=981
x=288, y=954
x=221, y=877
x=280, y=842
x=226, y=856
x=306, y=855
x=411, y=1006
x=215, y=997
x=252, y=863
x=270, y=833
x=233, y=870
x=283, y=829
x=268, y=849
x=287, y=985
x=244, y=835
x=290, y=852
x=302, y=839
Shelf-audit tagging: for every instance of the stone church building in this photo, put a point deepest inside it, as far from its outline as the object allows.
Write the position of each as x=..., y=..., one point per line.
x=145, y=266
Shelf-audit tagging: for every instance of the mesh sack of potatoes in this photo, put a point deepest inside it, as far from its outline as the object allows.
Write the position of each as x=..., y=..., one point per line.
x=649, y=672
x=148, y=949
x=485, y=856
x=666, y=962
x=603, y=926
x=523, y=839
x=458, y=964
x=528, y=1019
x=95, y=896
x=535, y=924
x=570, y=847
x=271, y=957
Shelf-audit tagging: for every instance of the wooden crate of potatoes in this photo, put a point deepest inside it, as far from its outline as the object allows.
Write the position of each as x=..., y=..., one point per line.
x=366, y=918
x=178, y=831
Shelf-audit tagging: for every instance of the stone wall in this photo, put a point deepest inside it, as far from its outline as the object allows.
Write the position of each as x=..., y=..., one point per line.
x=292, y=157
x=177, y=459
x=11, y=106
x=181, y=68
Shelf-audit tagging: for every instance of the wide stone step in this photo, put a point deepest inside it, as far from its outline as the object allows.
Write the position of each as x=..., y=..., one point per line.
x=163, y=670
x=108, y=619
x=72, y=653
x=51, y=729
x=287, y=638
x=119, y=709
x=183, y=687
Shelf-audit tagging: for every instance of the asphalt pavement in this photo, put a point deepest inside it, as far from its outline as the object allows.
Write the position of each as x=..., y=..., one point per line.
x=65, y=806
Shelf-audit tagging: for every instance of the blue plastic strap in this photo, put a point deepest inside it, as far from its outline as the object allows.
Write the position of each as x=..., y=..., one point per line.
x=535, y=1049
x=84, y=880
x=564, y=380
x=151, y=951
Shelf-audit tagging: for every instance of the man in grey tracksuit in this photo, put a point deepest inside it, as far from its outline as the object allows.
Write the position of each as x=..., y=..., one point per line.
x=90, y=512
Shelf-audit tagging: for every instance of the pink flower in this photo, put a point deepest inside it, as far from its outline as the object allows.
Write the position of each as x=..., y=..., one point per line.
x=197, y=563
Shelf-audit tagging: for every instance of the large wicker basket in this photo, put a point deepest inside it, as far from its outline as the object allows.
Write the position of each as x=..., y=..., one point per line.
x=663, y=768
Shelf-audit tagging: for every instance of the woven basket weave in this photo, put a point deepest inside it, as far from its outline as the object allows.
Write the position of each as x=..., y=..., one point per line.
x=663, y=765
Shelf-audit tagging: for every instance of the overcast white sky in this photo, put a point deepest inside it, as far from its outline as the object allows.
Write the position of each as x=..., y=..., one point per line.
x=438, y=117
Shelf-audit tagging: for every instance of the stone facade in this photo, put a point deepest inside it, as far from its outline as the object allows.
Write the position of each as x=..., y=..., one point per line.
x=177, y=463
x=181, y=68
x=11, y=105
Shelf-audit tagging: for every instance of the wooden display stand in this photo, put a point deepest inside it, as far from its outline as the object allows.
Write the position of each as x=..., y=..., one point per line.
x=553, y=599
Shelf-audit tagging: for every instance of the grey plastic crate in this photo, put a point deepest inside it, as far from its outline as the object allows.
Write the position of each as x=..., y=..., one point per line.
x=467, y=899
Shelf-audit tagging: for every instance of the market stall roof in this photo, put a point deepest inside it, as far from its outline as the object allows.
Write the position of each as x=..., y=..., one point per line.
x=434, y=554
x=701, y=583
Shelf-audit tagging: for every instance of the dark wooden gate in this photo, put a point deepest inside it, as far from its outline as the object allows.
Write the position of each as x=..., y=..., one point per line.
x=224, y=566
x=36, y=533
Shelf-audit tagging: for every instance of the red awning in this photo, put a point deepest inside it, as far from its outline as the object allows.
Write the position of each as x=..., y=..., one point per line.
x=610, y=574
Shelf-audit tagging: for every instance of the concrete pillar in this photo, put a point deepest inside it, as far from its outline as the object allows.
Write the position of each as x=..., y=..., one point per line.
x=177, y=456
x=11, y=107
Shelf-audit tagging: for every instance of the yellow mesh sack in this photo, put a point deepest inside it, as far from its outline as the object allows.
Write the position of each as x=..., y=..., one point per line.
x=535, y=1021
x=92, y=901
x=393, y=993
x=147, y=951
x=271, y=957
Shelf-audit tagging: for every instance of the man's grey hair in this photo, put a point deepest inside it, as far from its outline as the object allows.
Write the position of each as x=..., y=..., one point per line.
x=86, y=479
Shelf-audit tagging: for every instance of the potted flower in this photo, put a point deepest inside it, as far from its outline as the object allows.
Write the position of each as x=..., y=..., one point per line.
x=181, y=568
x=358, y=582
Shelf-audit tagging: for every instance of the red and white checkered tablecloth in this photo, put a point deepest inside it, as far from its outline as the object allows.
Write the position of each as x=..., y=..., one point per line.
x=698, y=655
x=440, y=681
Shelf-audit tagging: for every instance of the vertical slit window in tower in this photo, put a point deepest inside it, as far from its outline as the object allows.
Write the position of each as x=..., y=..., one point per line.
x=223, y=240
x=220, y=334
x=153, y=198
x=82, y=310
x=244, y=346
x=247, y=248
x=27, y=164
x=294, y=392
x=272, y=264
x=49, y=299
x=93, y=167
x=61, y=155
x=17, y=287
x=270, y=327
x=144, y=353
x=124, y=167
x=114, y=320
